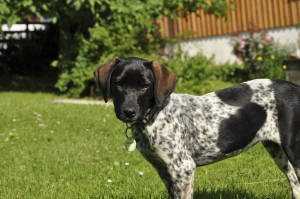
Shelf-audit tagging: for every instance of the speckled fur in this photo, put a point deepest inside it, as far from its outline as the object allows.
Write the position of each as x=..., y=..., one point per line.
x=185, y=133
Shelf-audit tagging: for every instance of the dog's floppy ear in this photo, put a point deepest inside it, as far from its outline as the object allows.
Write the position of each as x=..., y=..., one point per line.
x=102, y=76
x=165, y=82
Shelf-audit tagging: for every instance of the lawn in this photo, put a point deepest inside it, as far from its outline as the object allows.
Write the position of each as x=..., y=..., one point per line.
x=50, y=150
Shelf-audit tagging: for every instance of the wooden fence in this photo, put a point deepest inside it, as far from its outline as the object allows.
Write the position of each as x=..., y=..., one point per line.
x=246, y=16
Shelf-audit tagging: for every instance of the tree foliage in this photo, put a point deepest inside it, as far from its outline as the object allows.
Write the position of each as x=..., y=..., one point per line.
x=93, y=31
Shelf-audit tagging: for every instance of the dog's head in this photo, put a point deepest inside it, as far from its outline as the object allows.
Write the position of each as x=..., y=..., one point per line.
x=136, y=86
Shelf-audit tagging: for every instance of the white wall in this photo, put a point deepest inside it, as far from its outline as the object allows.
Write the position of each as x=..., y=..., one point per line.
x=221, y=48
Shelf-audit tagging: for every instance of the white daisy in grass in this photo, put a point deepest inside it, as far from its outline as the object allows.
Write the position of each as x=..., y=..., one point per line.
x=141, y=173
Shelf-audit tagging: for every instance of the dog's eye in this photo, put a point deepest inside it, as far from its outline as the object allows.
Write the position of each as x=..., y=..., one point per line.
x=116, y=83
x=145, y=87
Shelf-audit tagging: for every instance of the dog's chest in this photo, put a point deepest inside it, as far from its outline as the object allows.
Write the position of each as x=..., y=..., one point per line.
x=146, y=147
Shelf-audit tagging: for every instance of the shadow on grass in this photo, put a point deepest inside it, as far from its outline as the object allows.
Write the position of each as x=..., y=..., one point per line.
x=235, y=193
x=42, y=83
x=217, y=194
x=224, y=194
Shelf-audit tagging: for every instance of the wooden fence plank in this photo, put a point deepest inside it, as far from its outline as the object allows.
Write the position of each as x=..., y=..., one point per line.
x=253, y=19
x=249, y=22
x=167, y=33
x=298, y=11
x=203, y=24
x=281, y=13
x=293, y=7
x=180, y=23
x=276, y=13
x=199, y=24
x=224, y=26
x=208, y=25
x=244, y=15
x=171, y=27
x=259, y=13
x=213, y=24
x=184, y=27
x=287, y=12
x=194, y=25
x=219, y=26
x=234, y=20
x=270, y=13
x=238, y=15
x=175, y=26
x=190, y=26
x=229, y=18
x=265, y=14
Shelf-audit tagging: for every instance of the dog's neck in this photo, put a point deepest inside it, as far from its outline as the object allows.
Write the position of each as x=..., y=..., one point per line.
x=148, y=119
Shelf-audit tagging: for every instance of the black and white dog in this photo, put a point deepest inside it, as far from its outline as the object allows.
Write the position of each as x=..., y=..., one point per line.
x=178, y=132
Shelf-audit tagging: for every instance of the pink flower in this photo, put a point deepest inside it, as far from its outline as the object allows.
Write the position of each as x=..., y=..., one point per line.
x=266, y=40
x=242, y=39
x=272, y=38
x=240, y=57
x=239, y=48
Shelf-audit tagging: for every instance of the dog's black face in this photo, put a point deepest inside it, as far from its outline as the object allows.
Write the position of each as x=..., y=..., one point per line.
x=132, y=89
x=136, y=86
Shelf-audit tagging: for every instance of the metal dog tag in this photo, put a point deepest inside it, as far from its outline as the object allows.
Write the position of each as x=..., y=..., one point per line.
x=130, y=144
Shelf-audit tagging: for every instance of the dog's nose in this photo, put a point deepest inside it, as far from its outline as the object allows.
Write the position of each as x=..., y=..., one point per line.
x=129, y=112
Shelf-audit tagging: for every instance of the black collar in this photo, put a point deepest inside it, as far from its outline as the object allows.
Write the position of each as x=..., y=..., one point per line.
x=146, y=120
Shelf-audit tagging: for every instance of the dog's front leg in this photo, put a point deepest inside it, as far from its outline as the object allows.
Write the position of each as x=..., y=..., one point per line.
x=181, y=185
x=178, y=176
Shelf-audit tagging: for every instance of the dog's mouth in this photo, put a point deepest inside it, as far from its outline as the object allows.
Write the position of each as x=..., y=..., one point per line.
x=129, y=120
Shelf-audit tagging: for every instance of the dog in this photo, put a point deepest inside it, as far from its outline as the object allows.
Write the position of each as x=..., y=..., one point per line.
x=178, y=132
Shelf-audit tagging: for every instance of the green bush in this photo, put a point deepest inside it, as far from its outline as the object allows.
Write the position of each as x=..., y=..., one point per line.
x=199, y=75
x=261, y=55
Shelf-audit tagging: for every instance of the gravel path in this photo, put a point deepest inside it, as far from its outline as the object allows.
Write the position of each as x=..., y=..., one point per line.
x=80, y=101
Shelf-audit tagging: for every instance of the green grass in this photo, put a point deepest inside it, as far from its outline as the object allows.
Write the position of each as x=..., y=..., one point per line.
x=72, y=151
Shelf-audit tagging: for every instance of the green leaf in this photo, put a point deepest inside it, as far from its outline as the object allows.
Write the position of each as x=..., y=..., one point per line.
x=54, y=20
x=54, y=63
x=45, y=7
x=32, y=9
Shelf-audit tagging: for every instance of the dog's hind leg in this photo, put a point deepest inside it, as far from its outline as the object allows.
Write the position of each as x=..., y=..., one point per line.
x=281, y=159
